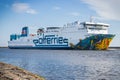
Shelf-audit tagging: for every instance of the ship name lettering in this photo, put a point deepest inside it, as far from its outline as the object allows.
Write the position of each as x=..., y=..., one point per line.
x=50, y=40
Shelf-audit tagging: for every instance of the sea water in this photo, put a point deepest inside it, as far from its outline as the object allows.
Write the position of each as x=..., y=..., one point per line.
x=66, y=64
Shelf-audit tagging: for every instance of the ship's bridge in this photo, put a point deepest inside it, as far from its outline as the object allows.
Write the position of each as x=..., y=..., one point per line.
x=96, y=28
x=53, y=29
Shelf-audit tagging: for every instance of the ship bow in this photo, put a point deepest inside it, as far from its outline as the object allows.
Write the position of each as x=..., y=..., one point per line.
x=103, y=41
x=95, y=42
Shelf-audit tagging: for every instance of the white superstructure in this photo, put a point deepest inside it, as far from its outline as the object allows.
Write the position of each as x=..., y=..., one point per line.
x=58, y=37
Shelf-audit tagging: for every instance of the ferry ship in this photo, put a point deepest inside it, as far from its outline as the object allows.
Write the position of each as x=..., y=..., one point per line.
x=75, y=35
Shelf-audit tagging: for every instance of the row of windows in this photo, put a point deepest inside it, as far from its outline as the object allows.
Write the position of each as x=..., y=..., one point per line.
x=97, y=28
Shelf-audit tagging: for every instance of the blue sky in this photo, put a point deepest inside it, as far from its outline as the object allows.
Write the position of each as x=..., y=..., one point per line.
x=16, y=14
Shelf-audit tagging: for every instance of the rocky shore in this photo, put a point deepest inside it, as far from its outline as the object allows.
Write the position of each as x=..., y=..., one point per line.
x=10, y=72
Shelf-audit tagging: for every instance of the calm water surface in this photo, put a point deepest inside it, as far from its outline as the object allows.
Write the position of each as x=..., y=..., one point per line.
x=66, y=64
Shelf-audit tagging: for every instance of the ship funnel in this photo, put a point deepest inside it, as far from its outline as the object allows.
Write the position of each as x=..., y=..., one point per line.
x=24, y=32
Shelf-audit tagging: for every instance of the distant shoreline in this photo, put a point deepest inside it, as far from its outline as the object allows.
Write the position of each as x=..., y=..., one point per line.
x=114, y=48
x=4, y=47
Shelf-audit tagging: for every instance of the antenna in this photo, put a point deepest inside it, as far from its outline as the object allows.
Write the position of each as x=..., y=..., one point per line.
x=91, y=18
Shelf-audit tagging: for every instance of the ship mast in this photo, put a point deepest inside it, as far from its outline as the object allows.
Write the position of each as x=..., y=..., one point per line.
x=91, y=18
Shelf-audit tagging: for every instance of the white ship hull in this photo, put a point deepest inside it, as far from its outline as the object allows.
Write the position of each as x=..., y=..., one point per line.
x=67, y=37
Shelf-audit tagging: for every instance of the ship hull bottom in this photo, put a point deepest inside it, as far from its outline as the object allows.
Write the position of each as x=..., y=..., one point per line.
x=94, y=42
x=44, y=48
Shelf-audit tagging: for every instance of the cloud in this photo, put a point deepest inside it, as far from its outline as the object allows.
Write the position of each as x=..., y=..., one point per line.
x=31, y=11
x=74, y=14
x=56, y=8
x=108, y=9
x=23, y=8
